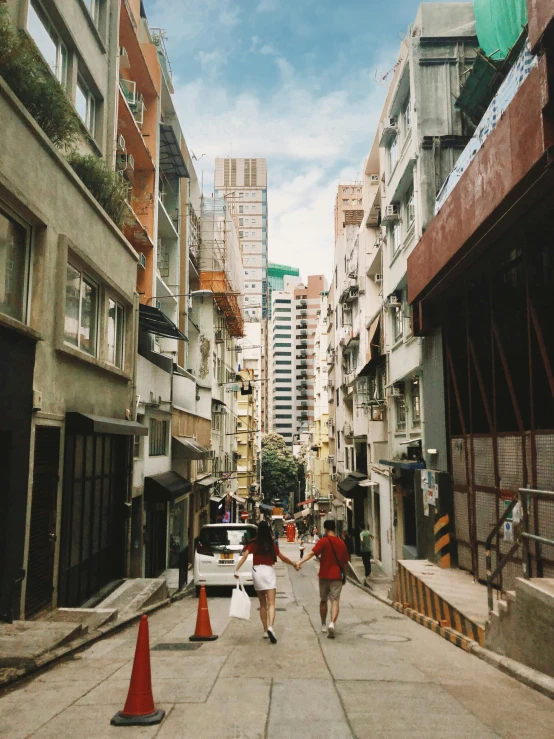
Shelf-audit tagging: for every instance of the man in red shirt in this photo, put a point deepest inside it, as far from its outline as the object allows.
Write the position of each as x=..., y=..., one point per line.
x=334, y=557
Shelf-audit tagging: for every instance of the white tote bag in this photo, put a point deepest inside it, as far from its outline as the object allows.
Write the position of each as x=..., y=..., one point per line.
x=240, y=603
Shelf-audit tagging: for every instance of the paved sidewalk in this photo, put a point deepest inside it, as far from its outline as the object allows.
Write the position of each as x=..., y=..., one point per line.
x=383, y=676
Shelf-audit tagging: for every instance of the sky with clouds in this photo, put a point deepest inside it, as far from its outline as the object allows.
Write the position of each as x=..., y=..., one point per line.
x=290, y=80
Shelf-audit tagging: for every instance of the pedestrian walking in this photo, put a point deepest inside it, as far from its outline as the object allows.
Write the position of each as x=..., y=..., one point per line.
x=334, y=557
x=265, y=552
x=302, y=543
x=365, y=549
x=316, y=535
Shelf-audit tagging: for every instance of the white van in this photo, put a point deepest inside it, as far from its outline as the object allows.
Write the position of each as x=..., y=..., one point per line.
x=218, y=548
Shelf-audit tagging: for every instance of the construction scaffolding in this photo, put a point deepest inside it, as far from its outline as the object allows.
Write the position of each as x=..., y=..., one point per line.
x=220, y=262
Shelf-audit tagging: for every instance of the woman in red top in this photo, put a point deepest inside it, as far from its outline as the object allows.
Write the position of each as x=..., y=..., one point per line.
x=265, y=553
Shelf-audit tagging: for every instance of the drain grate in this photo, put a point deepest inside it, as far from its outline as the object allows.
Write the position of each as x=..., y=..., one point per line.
x=176, y=647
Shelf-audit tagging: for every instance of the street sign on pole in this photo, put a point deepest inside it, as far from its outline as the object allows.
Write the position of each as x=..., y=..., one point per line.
x=244, y=515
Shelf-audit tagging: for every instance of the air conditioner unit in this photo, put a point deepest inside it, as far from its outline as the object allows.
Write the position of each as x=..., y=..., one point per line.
x=377, y=278
x=394, y=300
x=334, y=476
x=120, y=144
x=158, y=304
x=392, y=211
x=389, y=123
x=126, y=163
x=124, y=62
x=142, y=263
x=374, y=179
x=398, y=391
x=211, y=454
x=219, y=337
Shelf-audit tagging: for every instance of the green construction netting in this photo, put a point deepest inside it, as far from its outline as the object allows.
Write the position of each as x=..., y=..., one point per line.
x=499, y=24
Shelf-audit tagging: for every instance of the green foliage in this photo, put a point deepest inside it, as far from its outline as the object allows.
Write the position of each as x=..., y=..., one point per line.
x=104, y=184
x=279, y=467
x=25, y=72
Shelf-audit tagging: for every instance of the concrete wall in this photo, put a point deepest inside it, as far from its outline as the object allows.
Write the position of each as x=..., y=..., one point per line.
x=433, y=394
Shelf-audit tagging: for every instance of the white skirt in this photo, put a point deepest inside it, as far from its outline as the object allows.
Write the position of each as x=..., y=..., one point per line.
x=264, y=577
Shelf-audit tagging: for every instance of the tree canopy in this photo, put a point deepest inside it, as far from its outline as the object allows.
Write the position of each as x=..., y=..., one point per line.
x=279, y=467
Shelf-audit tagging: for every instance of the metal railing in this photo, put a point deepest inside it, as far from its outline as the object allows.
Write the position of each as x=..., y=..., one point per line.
x=523, y=496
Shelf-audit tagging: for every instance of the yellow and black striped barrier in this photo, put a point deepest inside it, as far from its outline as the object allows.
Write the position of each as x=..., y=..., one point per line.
x=415, y=595
x=449, y=634
x=442, y=541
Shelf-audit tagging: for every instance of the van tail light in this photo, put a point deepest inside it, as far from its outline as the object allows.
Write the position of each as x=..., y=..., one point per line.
x=204, y=549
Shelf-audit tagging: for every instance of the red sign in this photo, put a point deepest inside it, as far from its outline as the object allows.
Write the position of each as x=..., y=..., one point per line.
x=323, y=513
x=244, y=515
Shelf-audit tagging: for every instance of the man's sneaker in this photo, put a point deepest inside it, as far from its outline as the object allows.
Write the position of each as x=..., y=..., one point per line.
x=324, y=628
x=272, y=637
x=331, y=634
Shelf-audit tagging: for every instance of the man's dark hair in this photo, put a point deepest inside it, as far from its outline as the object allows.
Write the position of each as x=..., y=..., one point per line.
x=329, y=525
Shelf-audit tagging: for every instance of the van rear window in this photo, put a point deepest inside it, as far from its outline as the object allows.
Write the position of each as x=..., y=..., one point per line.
x=221, y=537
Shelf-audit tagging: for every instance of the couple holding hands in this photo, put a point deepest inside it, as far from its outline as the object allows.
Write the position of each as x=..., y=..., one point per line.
x=265, y=553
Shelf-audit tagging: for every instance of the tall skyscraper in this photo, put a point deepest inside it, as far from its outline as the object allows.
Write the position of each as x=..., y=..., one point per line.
x=243, y=182
x=293, y=323
x=276, y=274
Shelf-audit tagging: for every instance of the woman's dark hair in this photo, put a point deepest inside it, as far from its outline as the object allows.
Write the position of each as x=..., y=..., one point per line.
x=264, y=539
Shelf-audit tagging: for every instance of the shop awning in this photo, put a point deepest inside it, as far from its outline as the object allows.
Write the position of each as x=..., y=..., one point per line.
x=165, y=487
x=154, y=321
x=404, y=464
x=302, y=514
x=265, y=507
x=184, y=447
x=217, y=401
x=206, y=482
x=172, y=162
x=350, y=483
x=307, y=502
x=83, y=423
x=367, y=484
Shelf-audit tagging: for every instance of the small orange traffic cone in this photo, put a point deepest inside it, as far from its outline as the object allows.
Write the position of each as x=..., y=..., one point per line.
x=203, y=631
x=139, y=707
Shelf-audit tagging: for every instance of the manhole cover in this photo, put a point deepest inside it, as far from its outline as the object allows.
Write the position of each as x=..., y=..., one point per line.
x=394, y=618
x=384, y=637
x=176, y=647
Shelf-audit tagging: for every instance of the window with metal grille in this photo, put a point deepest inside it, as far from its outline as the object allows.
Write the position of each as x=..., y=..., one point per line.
x=158, y=437
x=400, y=407
x=416, y=411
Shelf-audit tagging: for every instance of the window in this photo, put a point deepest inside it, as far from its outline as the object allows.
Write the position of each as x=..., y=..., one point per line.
x=338, y=439
x=93, y=8
x=85, y=105
x=283, y=415
x=393, y=154
x=241, y=208
x=116, y=332
x=283, y=407
x=400, y=407
x=48, y=41
x=398, y=319
x=137, y=441
x=338, y=397
x=416, y=412
x=14, y=266
x=81, y=311
x=241, y=222
x=395, y=237
x=158, y=437
x=410, y=209
x=407, y=116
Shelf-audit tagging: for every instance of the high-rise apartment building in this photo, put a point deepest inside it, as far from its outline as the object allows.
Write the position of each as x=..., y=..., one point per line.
x=276, y=274
x=243, y=183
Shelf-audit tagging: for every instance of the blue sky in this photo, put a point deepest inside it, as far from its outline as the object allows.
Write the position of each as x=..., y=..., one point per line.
x=291, y=80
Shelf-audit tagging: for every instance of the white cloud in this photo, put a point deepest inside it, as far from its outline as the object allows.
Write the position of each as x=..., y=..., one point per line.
x=311, y=135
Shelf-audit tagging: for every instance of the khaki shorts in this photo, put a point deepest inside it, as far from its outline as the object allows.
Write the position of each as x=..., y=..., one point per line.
x=329, y=589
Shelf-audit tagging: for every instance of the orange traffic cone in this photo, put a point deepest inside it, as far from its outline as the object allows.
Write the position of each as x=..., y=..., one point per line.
x=139, y=707
x=203, y=631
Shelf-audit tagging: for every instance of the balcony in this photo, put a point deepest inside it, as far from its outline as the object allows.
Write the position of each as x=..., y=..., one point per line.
x=301, y=365
x=302, y=325
x=302, y=314
x=302, y=304
x=302, y=355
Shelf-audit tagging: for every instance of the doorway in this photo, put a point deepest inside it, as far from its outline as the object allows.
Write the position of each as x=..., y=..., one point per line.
x=42, y=538
x=377, y=526
x=156, y=539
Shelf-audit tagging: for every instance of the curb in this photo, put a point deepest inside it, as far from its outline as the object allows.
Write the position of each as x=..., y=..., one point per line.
x=14, y=674
x=451, y=635
x=526, y=675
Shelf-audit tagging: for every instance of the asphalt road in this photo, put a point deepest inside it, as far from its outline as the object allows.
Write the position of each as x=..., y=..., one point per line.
x=383, y=676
